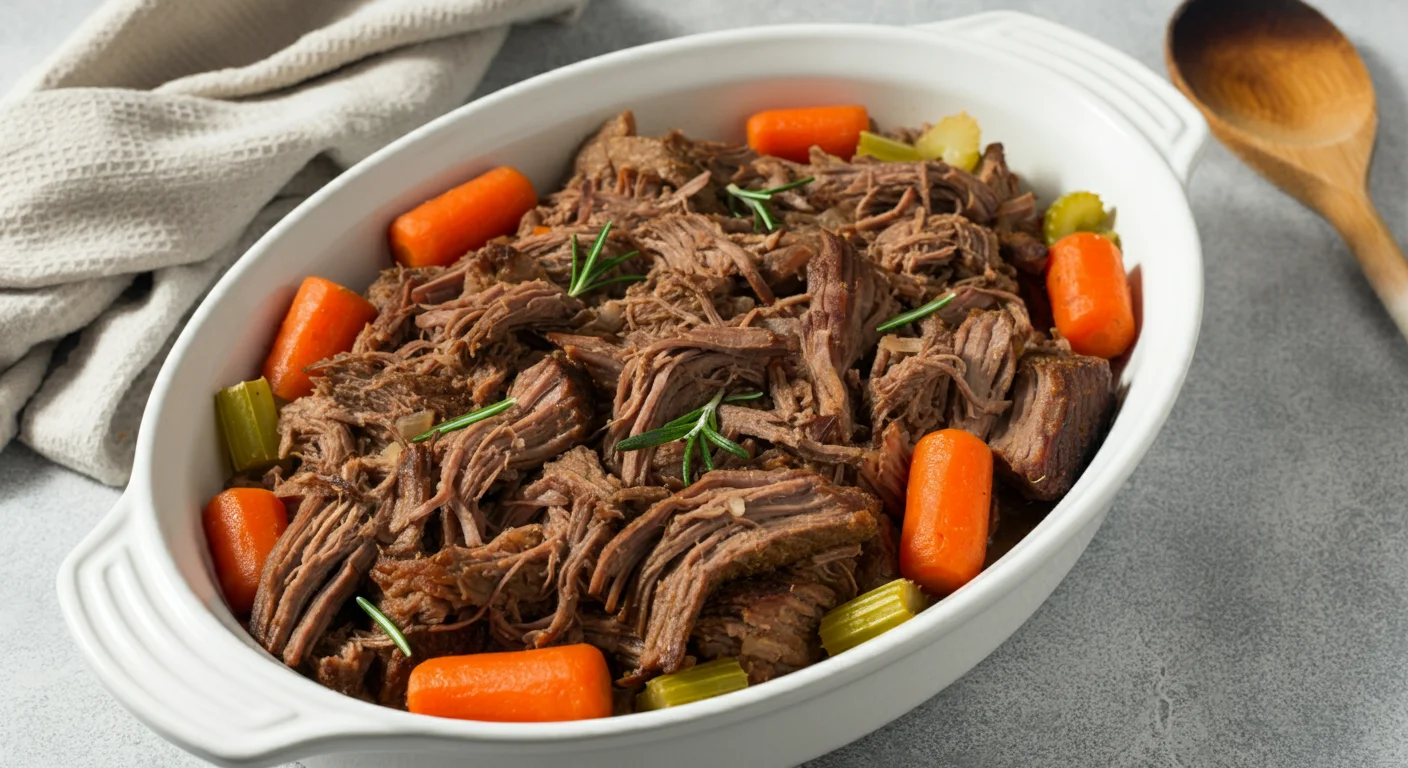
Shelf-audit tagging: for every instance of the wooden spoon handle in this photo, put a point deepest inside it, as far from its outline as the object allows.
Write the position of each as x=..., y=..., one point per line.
x=1378, y=253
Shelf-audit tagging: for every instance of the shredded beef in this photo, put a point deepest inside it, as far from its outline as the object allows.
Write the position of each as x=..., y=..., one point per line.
x=944, y=242
x=529, y=528
x=314, y=567
x=870, y=187
x=770, y=622
x=427, y=590
x=728, y=525
x=480, y=319
x=910, y=381
x=992, y=170
x=984, y=342
x=672, y=377
x=886, y=470
x=573, y=489
x=694, y=244
x=845, y=306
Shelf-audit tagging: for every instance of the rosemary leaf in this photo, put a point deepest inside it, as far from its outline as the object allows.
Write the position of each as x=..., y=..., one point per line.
x=688, y=451
x=586, y=274
x=610, y=264
x=757, y=200
x=718, y=439
x=699, y=429
x=463, y=421
x=790, y=185
x=387, y=626
x=617, y=279
x=916, y=314
x=666, y=434
x=688, y=418
x=749, y=194
x=589, y=268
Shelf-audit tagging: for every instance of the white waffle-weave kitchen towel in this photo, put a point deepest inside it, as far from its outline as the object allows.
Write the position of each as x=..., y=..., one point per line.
x=158, y=143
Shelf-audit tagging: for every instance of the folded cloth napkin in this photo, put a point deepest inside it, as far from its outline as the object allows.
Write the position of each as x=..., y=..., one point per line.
x=158, y=143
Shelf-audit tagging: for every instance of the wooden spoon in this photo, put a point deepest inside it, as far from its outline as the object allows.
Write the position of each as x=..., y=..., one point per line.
x=1284, y=89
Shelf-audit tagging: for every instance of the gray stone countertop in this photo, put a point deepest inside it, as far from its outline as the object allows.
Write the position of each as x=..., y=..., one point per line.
x=1245, y=604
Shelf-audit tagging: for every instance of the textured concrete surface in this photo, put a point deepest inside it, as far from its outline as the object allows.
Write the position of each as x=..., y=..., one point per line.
x=1246, y=604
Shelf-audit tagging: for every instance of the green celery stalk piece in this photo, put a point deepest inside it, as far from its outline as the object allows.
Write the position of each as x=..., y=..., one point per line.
x=870, y=615
x=702, y=681
x=1074, y=212
x=886, y=149
x=250, y=422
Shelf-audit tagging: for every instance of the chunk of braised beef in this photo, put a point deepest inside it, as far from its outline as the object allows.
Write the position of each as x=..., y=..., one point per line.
x=1060, y=406
x=733, y=524
x=847, y=302
x=770, y=622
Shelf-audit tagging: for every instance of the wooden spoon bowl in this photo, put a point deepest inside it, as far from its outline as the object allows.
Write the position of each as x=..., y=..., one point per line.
x=1283, y=88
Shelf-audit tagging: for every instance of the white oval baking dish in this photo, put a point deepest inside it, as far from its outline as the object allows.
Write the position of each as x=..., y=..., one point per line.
x=138, y=595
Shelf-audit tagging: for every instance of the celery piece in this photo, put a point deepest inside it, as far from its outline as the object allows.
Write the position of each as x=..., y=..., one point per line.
x=870, y=615
x=953, y=140
x=886, y=149
x=1074, y=212
x=702, y=681
x=250, y=422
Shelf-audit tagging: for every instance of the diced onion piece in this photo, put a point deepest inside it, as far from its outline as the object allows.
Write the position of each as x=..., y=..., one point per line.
x=417, y=423
x=702, y=681
x=391, y=453
x=1074, y=212
x=901, y=345
x=250, y=422
x=870, y=615
x=953, y=140
x=886, y=149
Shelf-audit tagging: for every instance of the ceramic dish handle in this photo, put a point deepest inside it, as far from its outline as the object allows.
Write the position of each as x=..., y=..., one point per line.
x=113, y=603
x=1151, y=105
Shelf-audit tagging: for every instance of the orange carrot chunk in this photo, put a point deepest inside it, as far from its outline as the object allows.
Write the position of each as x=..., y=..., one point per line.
x=791, y=133
x=323, y=320
x=945, y=535
x=241, y=526
x=565, y=682
x=1089, y=294
x=439, y=231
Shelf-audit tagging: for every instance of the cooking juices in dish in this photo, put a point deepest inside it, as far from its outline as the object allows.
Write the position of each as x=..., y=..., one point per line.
x=702, y=416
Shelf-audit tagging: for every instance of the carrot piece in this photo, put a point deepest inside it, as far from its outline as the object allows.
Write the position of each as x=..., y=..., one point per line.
x=1089, y=293
x=791, y=133
x=541, y=230
x=323, y=320
x=945, y=535
x=241, y=526
x=439, y=231
x=565, y=682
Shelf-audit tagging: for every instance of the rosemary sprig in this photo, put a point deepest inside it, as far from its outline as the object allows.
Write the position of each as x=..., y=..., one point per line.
x=916, y=314
x=586, y=276
x=699, y=429
x=757, y=201
x=387, y=626
x=460, y=422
